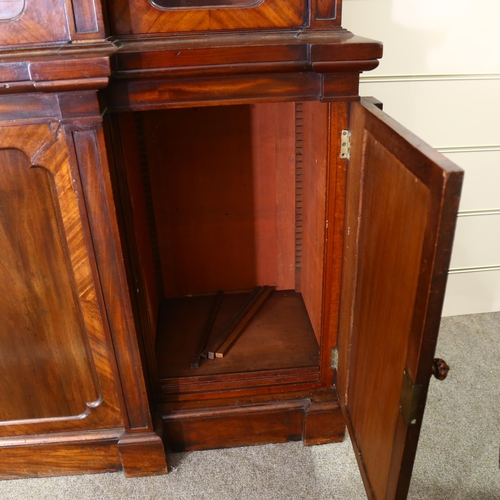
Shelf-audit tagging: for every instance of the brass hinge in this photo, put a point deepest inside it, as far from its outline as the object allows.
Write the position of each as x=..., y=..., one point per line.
x=334, y=359
x=410, y=399
x=345, y=144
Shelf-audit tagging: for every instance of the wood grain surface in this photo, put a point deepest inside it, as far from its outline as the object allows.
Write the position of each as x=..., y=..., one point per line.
x=289, y=416
x=314, y=176
x=39, y=23
x=34, y=291
x=401, y=211
x=198, y=200
x=258, y=67
x=135, y=17
x=214, y=174
x=61, y=459
x=280, y=336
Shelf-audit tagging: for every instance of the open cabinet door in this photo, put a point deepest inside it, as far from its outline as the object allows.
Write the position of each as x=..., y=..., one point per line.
x=402, y=202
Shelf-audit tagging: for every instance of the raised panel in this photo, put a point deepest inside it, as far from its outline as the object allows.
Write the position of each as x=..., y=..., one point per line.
x=88, y=20
x=402, y=201
x=325, y=14
x=57, y=372
x=390, y=251
x=44, y=359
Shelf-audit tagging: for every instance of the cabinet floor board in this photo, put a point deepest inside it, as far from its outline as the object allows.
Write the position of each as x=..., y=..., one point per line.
x=279, y=336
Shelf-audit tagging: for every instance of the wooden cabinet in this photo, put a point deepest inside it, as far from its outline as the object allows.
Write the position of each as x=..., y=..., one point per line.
x=208, y=240
x=64, y=393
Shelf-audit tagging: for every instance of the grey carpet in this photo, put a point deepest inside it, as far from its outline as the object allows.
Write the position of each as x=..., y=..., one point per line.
x=458, y=456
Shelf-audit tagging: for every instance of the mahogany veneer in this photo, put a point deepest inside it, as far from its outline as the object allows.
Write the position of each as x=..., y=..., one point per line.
x=154, y=155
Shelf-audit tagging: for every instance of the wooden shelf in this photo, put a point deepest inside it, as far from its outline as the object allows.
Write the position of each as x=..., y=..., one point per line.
x=279, y=337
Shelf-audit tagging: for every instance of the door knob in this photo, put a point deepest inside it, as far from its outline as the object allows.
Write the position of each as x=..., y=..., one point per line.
x=440, y=368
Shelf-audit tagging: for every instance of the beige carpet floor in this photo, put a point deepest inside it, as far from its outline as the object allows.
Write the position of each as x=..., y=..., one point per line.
x=458, y=456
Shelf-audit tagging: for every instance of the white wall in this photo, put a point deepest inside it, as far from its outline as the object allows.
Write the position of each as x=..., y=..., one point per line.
x=440, y=77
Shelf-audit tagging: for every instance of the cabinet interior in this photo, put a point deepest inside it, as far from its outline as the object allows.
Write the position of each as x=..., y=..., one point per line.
x=225, y=199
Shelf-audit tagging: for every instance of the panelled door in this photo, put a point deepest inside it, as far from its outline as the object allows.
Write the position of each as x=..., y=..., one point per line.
x=57, y=373
x=402, y=201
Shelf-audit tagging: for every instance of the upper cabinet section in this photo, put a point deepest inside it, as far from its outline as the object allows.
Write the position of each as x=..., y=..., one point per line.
x=30, y=22
x=157, y=17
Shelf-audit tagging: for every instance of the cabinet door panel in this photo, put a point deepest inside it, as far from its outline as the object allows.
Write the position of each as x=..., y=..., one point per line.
x=143, y=17
x=402, y=201
x=43, y=356
x=55, y=368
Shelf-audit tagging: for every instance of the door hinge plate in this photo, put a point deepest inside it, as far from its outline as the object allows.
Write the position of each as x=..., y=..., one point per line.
x=345, y=144
x=410, y=399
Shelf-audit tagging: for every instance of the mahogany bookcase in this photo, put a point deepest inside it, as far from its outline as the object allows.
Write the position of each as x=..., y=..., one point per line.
x=208, y=239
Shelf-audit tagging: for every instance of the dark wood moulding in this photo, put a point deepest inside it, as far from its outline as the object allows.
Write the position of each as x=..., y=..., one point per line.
x=159, y=73
x=198, y=70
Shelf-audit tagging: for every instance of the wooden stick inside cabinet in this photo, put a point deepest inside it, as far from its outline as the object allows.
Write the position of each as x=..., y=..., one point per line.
x=225, y=199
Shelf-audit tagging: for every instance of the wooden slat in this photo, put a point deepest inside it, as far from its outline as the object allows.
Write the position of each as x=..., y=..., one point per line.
x=299, y=153
x=232, y=324
x=60, y=459
x=314, y=175
x=246, y=383
x=246, y=315
x=285, y=194
x=335, y=213
x=207, y=330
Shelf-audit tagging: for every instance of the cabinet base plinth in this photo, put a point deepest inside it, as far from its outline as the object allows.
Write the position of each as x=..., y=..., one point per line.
x=312, y=416
x=61, y=455
x=142, y=455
